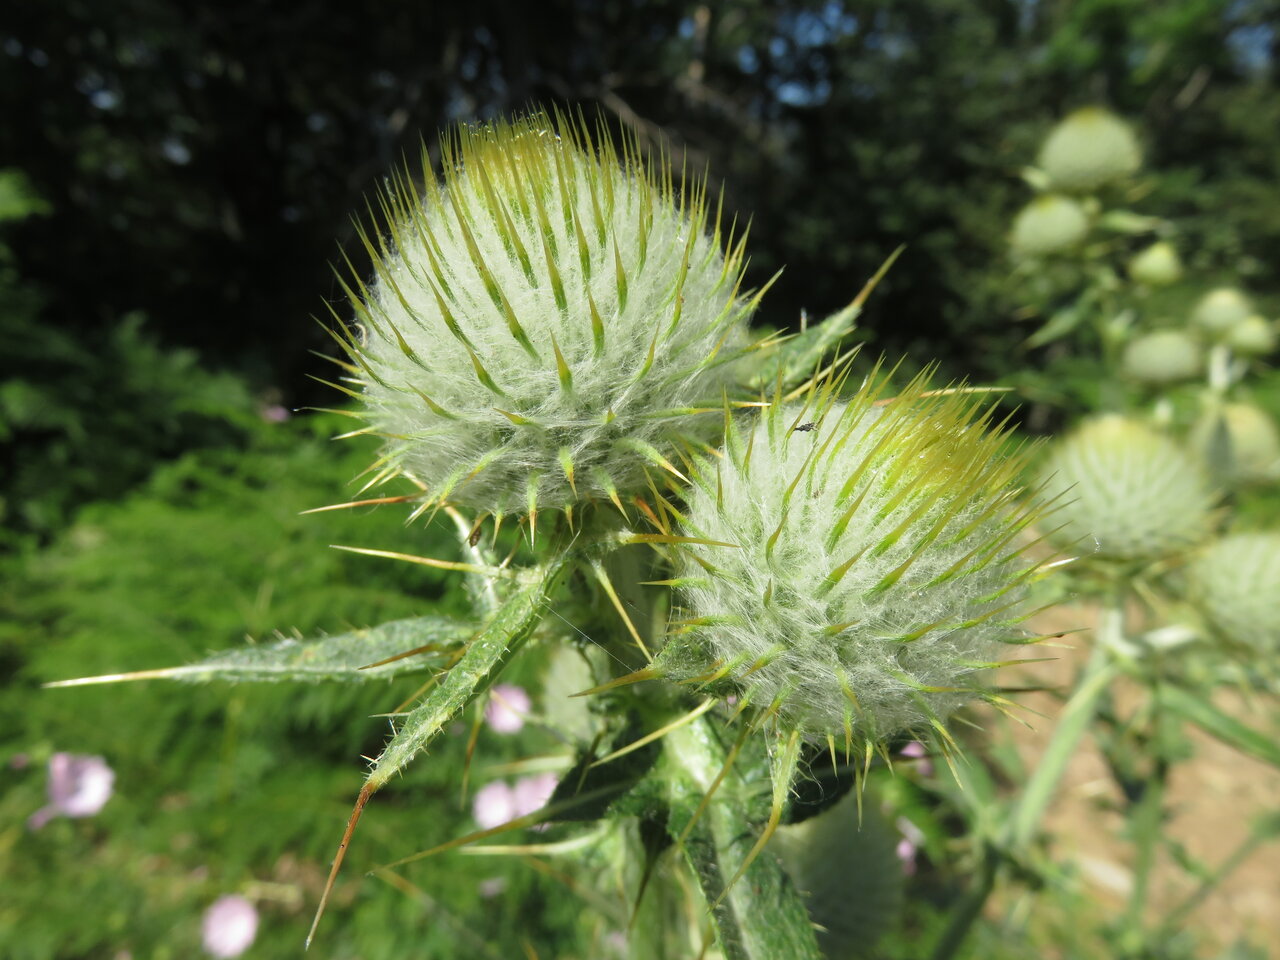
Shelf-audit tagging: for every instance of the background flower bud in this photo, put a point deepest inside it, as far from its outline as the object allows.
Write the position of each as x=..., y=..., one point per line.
x=1165, y=356
x=1218, y=311
x=1048, y=224
x=1235, y=582
x=1088, y=149
x=545, y=322
x=1157, y=266
x=1240, y=442
x=1254, y=336
x=1126, y=491
x=871, y=576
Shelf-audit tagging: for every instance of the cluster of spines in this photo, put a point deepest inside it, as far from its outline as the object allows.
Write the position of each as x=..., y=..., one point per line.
x=408, y=218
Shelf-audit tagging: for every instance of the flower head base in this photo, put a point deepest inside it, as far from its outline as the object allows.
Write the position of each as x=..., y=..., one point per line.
x=1128, y=492
x=545, y=321
x=870, y=574
x=1089, y=149
x=1156, y=266
x=1047, y=225
x=1162, y=357
x=79, y=786
x=1236, y=583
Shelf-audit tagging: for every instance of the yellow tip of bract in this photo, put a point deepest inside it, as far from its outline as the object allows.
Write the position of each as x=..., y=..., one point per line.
x=876, y=571
x=547, y=279
x=1089, y=149
x=1126, y=491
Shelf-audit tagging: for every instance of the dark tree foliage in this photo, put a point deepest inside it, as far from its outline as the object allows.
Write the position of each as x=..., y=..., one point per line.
x=200, y=161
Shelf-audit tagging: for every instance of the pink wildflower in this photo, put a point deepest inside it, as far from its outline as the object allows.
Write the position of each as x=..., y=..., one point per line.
x=230, y=926
x=494, y=805
x=507, y=707
x=79, y=786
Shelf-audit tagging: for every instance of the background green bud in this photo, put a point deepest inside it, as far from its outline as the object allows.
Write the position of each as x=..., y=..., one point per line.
x=1254, y=336
x=1048, y=224
x=1126, y=491
x=1088, y=149
x=1218, y=311
x=1240, y=443
x=1235, y=582
x=871, y=575
x=545, y=321
x=1157, y=266
x=1165, y=356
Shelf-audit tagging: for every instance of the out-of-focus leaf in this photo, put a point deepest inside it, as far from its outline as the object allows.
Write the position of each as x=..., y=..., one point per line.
x=1200, y=711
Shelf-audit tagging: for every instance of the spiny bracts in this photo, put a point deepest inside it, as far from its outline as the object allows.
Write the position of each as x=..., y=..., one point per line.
x=861, y=563
x=547, y=320
x=1127, y=492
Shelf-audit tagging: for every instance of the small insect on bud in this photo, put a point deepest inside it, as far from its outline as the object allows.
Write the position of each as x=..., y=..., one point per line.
x=1089, y=149
x=1127, y=492
x=548, y=321
x=853, y=580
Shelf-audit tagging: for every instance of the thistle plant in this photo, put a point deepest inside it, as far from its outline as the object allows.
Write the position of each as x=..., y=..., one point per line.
x=546, y=322
x=877, y=570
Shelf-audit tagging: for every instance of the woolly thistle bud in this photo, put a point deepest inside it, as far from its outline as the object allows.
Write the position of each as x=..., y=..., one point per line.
x=1048, y=224
x=1240, y=443
x=1218, y=311
x=1254, y=336
x=546, y=321
x=1088, y=149
x=1236, y=584
x=1157, y=266
x=1127, y=492
x=853, y=570
x=1165, y=356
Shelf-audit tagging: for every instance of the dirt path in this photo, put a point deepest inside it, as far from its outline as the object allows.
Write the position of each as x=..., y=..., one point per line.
x=1213, y=798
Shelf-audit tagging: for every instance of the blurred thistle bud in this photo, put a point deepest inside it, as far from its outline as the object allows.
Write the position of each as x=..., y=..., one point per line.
x=1162, y=357
x=1236, y=584
x=545, y=322
x=1254, y=336
x=854, y=567
x=1157, y=266
x=1126, y=491
x=1047, y=225
x=1240, y=444
x=1218, y=311
x=1088, y=149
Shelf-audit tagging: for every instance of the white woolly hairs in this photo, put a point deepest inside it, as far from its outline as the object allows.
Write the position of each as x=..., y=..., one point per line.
x=871, y=574
x=546, y=321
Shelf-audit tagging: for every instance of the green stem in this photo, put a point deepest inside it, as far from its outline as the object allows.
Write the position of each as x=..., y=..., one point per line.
x=761, y=917
x=1147, y=817
x=1072, y=724
x=970, y=908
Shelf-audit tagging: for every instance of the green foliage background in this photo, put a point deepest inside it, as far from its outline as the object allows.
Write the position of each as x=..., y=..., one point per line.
x=173, y=183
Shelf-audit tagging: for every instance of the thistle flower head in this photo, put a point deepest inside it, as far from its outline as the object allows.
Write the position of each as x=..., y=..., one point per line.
x=1162, y=357
x=1047, y=225
x=1254, y=336
x=868, y=572
x=1235, y=582
x=1127, y=492
x=546, y=319
x=1240, y=442
x=1089, y=149
x=1157, y=266
x=1218, y=311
